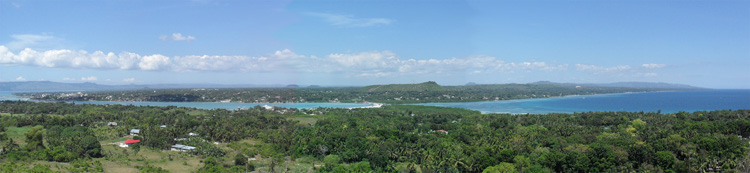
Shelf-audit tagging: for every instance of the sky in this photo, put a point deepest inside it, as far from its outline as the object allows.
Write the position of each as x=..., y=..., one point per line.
x=116, y=42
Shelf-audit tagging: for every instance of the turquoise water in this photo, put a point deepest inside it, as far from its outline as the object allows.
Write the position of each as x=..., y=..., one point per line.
x=4, y=95
x=667, y=102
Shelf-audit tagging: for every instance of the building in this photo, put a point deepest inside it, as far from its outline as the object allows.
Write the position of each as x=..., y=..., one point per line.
x=135, y=132
x=268, y=107
x=130, y=142
x=180, y=147
x=163, y=126
x=192, y=134
x=112, y=123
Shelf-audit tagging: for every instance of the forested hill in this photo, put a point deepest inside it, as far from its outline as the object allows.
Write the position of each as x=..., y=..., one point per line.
x=426, y=86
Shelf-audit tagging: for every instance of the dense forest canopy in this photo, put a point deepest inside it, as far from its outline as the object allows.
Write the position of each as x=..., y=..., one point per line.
x=389, y=139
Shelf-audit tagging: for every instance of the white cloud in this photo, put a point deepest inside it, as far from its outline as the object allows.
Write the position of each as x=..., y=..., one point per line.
x=177, y=37
x=19, y=78
x=646, y=75
x=129, y=80
x=21, y=41
x=594, y=68
x=654, y=65
x=63, y=58
x=90, y=78
x=350, y=20
x=369, y=64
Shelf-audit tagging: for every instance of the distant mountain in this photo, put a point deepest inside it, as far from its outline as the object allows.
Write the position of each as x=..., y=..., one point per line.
x=650, y=85
x=426, y=86
x=57, y=86
x=47, y=86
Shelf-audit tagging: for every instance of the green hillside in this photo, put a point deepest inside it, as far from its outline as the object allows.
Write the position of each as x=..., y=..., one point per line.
x=426, y=86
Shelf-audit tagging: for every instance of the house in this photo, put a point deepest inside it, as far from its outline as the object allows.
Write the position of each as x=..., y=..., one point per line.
x=180, y=147
x=112, y=123
x=192, y=134
x=135, y=132
x=130, y=142
x=163, y=126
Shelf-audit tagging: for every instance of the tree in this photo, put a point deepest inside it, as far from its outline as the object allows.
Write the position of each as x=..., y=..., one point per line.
x=503, y=167
x=240, y=160
x=331, y=161
x=664, y=159
x=210, y=164
x=521, y=162
x=34, y=138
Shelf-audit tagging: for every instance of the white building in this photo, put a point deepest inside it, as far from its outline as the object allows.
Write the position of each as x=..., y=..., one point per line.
x=135, y=132
x=180, y=147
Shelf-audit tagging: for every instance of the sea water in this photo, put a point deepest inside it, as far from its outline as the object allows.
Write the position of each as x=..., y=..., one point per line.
x=666, y=102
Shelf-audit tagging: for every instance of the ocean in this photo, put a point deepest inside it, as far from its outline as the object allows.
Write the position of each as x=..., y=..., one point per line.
x=666, y=102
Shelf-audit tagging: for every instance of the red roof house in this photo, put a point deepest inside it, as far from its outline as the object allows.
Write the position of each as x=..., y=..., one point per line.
x=131, y=141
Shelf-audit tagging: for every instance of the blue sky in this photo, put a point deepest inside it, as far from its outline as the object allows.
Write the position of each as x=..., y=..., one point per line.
x=701, y=43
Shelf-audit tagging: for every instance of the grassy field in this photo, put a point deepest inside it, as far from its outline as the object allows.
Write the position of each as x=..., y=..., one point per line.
x=18, y=134
x=125, y=160
x=305, y=120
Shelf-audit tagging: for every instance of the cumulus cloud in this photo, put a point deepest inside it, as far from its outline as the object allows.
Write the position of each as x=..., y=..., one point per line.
x=370, y=64
x=654, y=65
x=63, y=58
x=350, y=20
x=128, y=80
x=19, y=78
x=177, y=37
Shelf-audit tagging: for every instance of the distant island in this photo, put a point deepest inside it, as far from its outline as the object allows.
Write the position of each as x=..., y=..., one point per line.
x=393, y=93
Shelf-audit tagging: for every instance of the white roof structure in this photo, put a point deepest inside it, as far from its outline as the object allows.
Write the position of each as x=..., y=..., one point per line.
x=135, y=130
x=182, y=147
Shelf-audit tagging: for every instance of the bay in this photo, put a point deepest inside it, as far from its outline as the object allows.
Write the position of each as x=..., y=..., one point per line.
x=666, y=102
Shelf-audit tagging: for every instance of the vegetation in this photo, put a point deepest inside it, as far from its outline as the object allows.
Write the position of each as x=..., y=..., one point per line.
x=394, y=93
x=397, y=138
